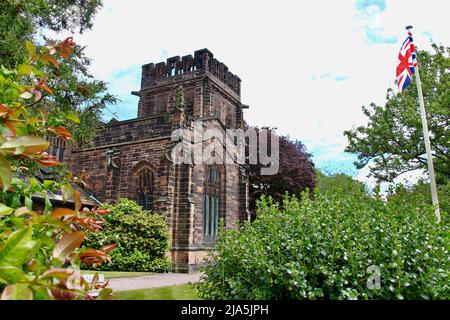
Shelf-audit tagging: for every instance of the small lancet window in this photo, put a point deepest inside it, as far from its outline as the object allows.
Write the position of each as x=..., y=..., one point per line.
x=145, y=189
x=211, y=201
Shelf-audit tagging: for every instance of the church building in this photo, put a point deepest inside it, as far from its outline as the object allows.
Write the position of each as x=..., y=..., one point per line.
x=132, y=158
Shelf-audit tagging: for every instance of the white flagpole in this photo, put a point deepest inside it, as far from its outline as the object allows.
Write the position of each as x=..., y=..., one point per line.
x=434, y=194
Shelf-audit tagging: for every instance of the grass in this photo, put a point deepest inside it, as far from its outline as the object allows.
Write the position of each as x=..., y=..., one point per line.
x=178, y=292
x=118, y=274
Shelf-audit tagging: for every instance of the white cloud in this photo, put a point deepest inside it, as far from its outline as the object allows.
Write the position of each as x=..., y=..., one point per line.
x=369, y=18
x=276, y=48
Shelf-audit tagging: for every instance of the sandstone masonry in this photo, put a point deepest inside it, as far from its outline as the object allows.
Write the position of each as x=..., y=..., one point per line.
x=131, y=158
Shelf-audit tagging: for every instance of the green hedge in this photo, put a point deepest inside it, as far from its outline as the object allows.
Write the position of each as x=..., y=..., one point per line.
x=326, y=248
x=141, y=237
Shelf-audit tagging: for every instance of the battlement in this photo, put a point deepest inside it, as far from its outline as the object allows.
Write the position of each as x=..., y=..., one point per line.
x=202, y=60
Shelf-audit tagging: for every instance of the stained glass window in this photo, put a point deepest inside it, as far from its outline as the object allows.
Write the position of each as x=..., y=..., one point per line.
x=211, y=201
x=145, y=189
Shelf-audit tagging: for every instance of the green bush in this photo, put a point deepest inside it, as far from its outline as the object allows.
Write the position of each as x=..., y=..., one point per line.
x=141, y=237
x=324, y=249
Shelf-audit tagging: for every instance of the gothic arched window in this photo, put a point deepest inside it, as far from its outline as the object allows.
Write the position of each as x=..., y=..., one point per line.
x=211, y=201
x=145, y=189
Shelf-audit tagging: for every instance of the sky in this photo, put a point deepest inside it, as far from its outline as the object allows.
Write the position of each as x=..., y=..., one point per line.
x=307, y=67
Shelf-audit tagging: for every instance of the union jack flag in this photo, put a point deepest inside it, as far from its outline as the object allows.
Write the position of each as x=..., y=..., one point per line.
x=407, y=60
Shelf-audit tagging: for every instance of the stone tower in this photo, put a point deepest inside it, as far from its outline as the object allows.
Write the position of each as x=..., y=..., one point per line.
x=132, y=158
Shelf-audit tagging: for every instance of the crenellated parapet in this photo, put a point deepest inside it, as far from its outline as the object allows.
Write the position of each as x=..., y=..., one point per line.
x=202, y=60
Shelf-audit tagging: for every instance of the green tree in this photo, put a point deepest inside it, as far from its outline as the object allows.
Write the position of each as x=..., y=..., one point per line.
x=421, y=191
x=22, y=20
x=325, y=183
x=76, y=94
x=392, y=141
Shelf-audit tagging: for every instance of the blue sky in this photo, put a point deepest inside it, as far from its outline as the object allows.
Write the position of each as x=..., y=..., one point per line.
x=307, y=67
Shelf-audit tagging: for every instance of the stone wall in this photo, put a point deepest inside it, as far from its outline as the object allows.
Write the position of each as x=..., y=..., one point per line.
x=204, y=97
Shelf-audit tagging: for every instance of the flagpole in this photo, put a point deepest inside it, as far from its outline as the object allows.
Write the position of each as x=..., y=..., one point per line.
x=434, y=194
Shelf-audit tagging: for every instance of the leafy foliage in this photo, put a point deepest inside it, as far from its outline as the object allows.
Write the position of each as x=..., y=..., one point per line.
x=23, y=133
x=325, y=183
x=324, y=249
x=422, y=192
x=141, y=238
x=393, y=140
x=296, y=173
x=39, y=252
x=75, y=95
x=78, y=99
x=22, y=20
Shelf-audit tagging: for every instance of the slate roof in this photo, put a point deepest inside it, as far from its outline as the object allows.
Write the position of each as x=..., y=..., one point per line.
x=87, y=198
